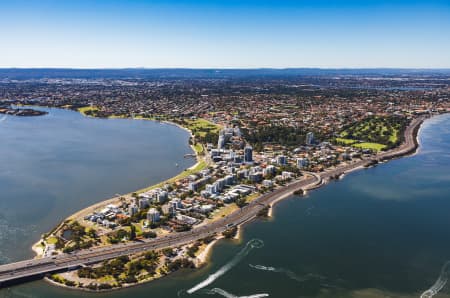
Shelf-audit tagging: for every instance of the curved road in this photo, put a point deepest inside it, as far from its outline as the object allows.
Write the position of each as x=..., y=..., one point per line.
x=16, y=272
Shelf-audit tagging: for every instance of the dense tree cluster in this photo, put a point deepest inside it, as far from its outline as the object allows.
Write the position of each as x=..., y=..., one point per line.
x=283, y=135
x=79, y=237
x=179, y=264
x=263, y=212
x=122, y=268
x=114, y=267
x=192, y=250
x=183, y=228
x=230, y=233
x=388, y=130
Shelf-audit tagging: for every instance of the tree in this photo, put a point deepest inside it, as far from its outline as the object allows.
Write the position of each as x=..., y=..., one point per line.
x=183, y=228
x=149, y=234
x=120, y=234
x=192, y=250
x=263, y=212
x=241, y=202
x=168, y=252
x=151, y=255
x=230, y=233
x=132, y=232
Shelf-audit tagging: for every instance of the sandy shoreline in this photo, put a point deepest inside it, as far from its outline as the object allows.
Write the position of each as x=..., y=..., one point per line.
x=204, y=256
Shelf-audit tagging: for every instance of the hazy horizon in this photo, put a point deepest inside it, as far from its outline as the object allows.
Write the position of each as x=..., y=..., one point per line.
x=220, y=34
x=229, y=68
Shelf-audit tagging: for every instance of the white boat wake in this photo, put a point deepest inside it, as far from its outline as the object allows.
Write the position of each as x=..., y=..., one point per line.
x=3, y=118
x=289, y=273
x=229, y=295
x=440, y=282
x=308, y=277
x=254, y=243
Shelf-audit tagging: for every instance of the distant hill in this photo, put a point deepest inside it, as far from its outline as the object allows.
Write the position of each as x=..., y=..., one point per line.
x=185, y=73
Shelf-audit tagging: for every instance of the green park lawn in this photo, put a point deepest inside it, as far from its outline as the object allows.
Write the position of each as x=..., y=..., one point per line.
x=87, y=111
x=367, y=145
x=198, y=148
x=200, y=127
x=362, y=145
x=346, y=141
x=52, y=240
x=373, y=132
x=200, y=166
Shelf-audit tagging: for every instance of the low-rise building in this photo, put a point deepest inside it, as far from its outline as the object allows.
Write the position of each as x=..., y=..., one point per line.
x=267, y=183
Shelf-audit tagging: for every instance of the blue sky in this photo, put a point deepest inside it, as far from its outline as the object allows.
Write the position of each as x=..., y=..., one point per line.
x=215, y=33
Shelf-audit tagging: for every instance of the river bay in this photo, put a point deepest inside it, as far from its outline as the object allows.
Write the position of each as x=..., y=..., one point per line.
x=54, y=165
x=378, y=232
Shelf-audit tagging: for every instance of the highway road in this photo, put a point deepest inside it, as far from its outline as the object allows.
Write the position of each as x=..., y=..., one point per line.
x=15, y=272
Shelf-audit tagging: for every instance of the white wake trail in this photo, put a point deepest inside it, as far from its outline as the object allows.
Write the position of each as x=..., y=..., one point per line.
x=289, y=273
x=229, y=295
x=3, y=118
x=254, y=243
x=440, y=282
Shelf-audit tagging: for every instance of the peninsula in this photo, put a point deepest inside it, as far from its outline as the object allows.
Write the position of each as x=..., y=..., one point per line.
x=21, y=112
x=159, y=254
x=252, y=149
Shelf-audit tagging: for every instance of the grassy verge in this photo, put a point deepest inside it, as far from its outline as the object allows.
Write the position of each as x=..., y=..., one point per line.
x=88, y=111
x=222, y=212
x=346, y=141
x=52, y=240
x=198, y=167
x=117, y=117
x=252, y=196
x=362, y=145
x=372, y=146
x=139, y=117
x=198, y=148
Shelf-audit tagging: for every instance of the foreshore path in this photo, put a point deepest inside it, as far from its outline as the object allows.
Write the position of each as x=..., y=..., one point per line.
x=36, y=268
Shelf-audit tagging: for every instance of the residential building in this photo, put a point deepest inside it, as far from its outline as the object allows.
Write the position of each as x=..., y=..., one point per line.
x=310, y=138
x=143, y=203
x=302, y=162
x=281, y=160
x=133, y=209
x=248, y=154
x=153, y=215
